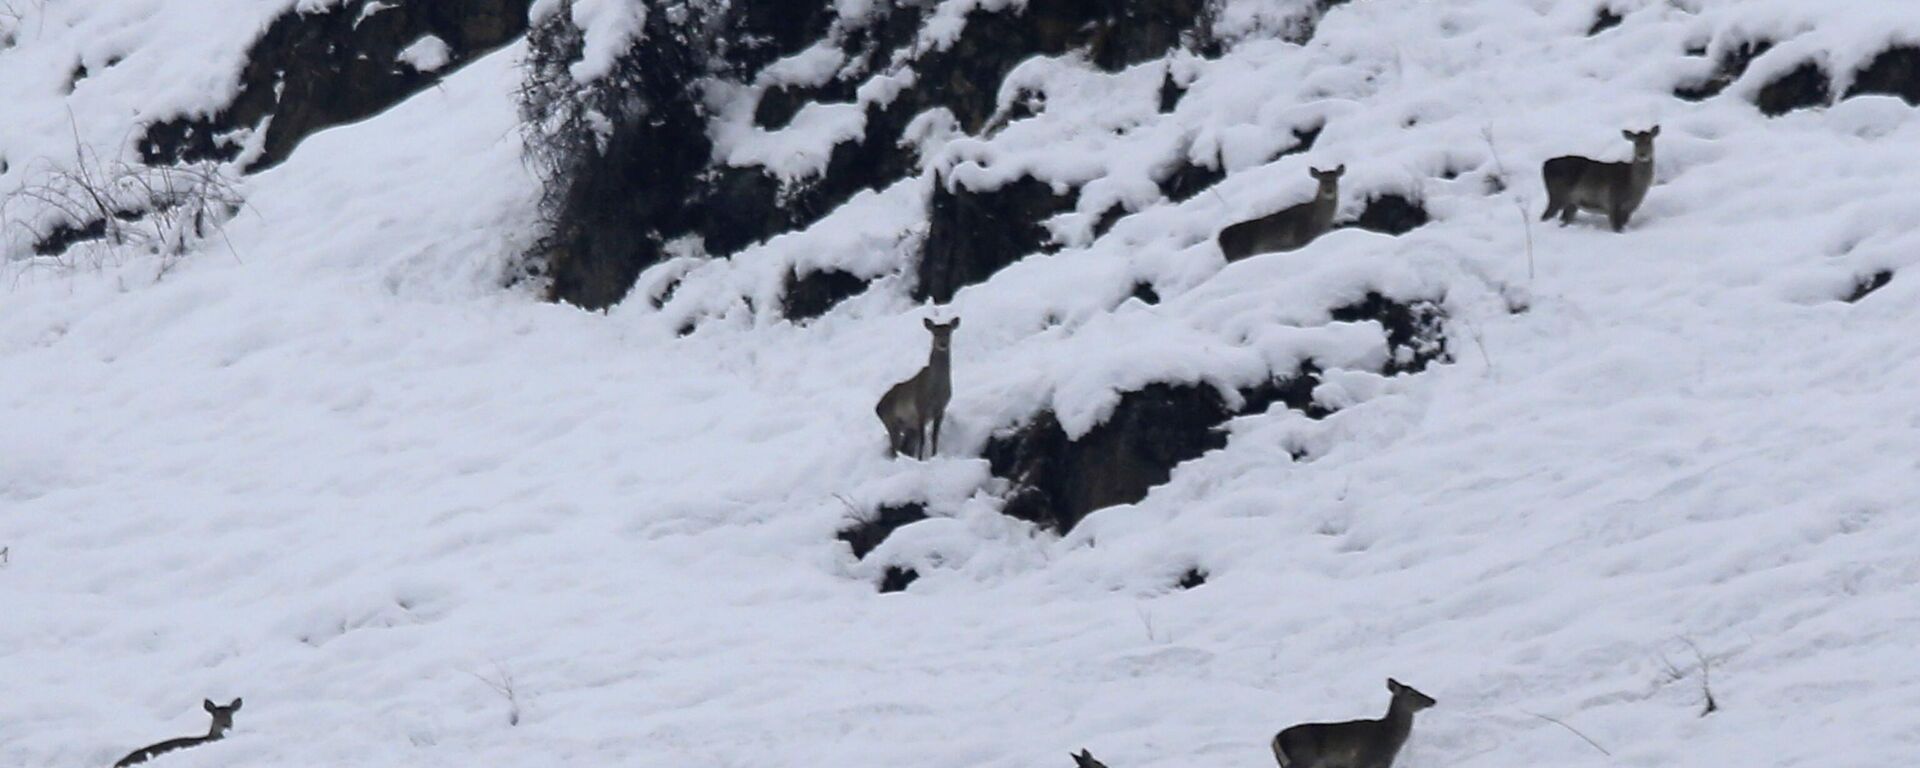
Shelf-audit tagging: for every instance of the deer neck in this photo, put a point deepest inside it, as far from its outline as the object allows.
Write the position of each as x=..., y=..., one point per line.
x=1399, y=721
x=939, y=361
x=1641, y=171
x=1324, y=205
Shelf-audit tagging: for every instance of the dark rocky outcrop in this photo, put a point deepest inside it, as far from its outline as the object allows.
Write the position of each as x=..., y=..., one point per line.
x=1057, y=481
x=1194, y=577
x=610, y=218
x=811, y=296
x=1604, y=19
x=1187, y=178
x=972, y=234
x=1805, y=86
x=1390, y=214
x=865, y=535
x=1415, y=330
x=1731, y=66
x=1894, y=72
x=311, y=71
x=897, y=578
x=1867, y=284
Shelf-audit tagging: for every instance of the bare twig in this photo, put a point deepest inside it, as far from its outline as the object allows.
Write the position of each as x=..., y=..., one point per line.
x=1526, y=221
x=1706, y=680
x=502, y=683
x=1576, y=731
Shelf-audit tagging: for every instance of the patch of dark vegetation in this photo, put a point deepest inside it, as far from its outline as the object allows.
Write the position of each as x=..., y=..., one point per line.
x=1171, y=92
x=1416, y=330
x=865, y=535
x=1729, y=68
x=1807, y=85
x=1391, y=214
x=1188, y=178
x=1867, y=284
x=1894, y=72
x=972, y=234
x=1606, y=18
x=1143, y=290
x=1057, y=481
x=609, y=209
x=1194, y=577
x=1108, y=218
x=313, y=70
x=812, y=295
x=897, y=578
x=66, y=235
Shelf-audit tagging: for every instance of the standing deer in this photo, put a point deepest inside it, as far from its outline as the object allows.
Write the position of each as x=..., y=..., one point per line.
x=1288, y=229
x=913, y=409
x=222, y=721
x=1355, y=743
x=1576, y=183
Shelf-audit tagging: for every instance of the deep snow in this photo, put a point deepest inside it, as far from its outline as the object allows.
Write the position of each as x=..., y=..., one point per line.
x=336, y=470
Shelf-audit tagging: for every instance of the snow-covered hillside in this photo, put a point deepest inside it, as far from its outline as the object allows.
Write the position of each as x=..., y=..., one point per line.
x=325, y=462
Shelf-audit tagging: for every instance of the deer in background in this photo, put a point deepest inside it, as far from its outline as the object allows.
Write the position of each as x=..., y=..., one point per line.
x=913, y=409
x=1289, y=229
x=1576, y=183
x=1355, y=743
x=222, y=721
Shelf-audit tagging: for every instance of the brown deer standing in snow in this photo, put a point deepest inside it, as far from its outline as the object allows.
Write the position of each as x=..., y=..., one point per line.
x=1288, y=229
x=222, y=721
x=1576, y=183
x=1355, y=743
x=913, y=409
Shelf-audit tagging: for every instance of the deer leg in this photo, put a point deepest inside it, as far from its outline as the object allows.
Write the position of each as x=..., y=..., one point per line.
x=1618, y=218
x=934, y=448
x=1566, y=213
x=1553, y=206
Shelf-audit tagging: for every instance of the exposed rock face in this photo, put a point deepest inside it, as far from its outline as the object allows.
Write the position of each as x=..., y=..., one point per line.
x=1731, y=66
x=655, y=182
x=1391, y=214
x=311, y=71
x=1059, y=481
x=973, y=234
x=863, y=536
x=1894, y=72
x=1807, y=85
x=810, y=296
x=1865, y=285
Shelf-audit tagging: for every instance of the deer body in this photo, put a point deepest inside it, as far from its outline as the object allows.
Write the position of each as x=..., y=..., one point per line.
x=222, y=721
x=1576, y=183
x=1288, y=229
x=1355, y=743
x=912, y=410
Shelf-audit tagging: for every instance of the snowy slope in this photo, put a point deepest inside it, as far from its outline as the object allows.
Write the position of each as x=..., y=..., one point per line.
x=336, y=470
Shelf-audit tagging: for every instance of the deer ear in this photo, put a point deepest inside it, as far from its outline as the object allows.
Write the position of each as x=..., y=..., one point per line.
x=208, y=704
x=1340, y=171
x=1394, y=685
x=1654, y=131
x=955, y=325
x=235, y=706
x=928, y=322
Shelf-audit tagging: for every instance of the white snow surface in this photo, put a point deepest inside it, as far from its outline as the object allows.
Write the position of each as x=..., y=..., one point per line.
x=427, y=54
x=328, y=465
